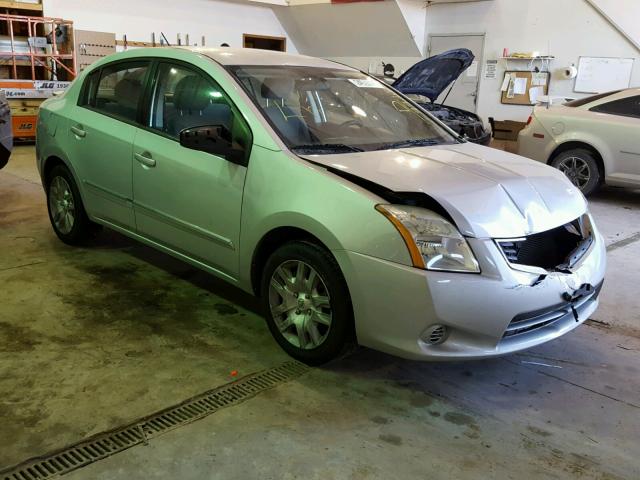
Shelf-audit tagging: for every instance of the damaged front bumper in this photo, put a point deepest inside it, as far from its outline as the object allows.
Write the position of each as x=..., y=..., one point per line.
x=500, y=311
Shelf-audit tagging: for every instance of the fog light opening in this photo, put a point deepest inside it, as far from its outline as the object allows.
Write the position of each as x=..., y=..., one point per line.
x=435, y=334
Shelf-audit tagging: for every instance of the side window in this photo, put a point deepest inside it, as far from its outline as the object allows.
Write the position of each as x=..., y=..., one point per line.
x=118, y=90
x=87, y=96
x=627, y=107
x=184, y=98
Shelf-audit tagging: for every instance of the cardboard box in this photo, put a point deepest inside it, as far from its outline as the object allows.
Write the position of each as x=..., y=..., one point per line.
x=506, y=129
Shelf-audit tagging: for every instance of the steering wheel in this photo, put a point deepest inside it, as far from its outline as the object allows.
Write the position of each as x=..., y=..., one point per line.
x=353, y=121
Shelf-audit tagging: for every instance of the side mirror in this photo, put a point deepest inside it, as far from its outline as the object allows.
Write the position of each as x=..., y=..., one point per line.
x=213, y=139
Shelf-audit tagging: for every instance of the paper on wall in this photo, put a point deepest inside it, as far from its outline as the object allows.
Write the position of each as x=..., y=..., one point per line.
x=538, y=79
x=520, y=86
x=490, y=69
x=534, y=93
x=512, y=82
x=506, y=82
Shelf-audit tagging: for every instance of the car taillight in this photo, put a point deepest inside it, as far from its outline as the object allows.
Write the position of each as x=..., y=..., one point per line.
x=529, y=120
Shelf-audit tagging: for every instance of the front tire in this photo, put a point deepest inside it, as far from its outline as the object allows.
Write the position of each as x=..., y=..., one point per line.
x=307, y=303
x=581, y=168
x=66, y=211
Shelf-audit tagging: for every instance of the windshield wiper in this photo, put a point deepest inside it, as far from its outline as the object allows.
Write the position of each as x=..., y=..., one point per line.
x=420, y=142
x=320, y=148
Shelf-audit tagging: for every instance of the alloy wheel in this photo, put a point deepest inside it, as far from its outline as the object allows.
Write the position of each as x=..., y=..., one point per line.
x=300, y=304
x=577, y=170
x=61, y=205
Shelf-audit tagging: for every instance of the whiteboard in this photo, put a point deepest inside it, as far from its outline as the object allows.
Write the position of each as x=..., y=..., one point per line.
x=602, y=74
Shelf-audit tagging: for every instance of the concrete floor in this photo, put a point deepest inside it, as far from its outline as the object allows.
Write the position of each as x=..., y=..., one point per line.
x=93, y=338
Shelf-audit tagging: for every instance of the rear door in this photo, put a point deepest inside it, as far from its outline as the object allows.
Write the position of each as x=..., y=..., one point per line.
x=188, y=200
x=101, y=133
x=618, y=123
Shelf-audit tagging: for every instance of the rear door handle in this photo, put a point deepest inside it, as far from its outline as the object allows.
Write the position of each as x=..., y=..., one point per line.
x=78, y=131
x=145, y=159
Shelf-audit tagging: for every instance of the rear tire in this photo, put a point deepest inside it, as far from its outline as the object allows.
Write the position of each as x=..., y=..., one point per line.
x=581, y=168
x=307, y=303
x=66, y=211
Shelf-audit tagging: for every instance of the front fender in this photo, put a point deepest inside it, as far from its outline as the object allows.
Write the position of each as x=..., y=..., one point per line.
x=285, y=191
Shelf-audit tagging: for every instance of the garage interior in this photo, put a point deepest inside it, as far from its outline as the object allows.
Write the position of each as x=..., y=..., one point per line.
x=103, y=338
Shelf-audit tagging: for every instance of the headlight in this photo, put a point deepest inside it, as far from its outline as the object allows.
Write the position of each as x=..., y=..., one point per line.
x=433, y=242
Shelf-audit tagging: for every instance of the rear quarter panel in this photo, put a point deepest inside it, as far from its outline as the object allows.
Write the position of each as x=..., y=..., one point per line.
x=53, y=123
x=582, y=126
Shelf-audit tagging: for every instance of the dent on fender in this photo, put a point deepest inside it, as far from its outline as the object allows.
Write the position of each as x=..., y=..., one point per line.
x=417, y=199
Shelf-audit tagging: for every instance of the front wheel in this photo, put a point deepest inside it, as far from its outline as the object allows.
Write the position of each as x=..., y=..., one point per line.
x=581, y=167
x=307, y=303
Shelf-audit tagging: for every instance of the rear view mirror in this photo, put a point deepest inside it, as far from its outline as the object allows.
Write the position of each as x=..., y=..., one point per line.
x=213, y=139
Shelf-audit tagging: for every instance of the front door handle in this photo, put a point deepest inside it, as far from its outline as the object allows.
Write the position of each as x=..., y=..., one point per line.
x=145, y=159
x=77, y=130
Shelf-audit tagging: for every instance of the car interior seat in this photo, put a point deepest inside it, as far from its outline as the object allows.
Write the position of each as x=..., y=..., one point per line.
x=275, y=90
x=193, y=106
x=127, y=94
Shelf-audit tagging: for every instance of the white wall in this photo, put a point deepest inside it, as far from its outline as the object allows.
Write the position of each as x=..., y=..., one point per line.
x=347, y=30
x=218, y=20
x=414, y=13
x=624, y=14
x=567, y=29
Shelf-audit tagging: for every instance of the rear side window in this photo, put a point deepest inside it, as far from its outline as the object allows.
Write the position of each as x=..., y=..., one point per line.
x=583, y=101
x=116, y=90
x=626, y=107
x=89, y=88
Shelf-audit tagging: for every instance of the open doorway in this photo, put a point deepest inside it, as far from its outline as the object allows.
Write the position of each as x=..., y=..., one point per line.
x=264, y=42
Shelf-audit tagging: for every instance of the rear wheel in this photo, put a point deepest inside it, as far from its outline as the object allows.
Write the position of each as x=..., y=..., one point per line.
x=66, y=212
x=307, y=303
x=581, y=167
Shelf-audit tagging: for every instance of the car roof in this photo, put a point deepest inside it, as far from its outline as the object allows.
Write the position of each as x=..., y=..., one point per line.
x=234, y=56
x=254, y=56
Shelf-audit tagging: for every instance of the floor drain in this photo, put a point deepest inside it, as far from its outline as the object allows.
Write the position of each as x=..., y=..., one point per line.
x=140, y=431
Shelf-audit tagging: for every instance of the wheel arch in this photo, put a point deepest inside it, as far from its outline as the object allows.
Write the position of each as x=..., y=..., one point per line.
x=50, y=161
x=270, y=242
x=573, y=144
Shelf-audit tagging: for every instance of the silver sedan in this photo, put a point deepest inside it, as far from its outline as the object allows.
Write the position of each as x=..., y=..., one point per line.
x=351, y=212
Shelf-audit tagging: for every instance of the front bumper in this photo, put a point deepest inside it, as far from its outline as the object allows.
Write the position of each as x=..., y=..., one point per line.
x=395, y=304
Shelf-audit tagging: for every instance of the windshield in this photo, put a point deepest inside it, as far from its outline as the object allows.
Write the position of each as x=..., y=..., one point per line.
x=323, y=110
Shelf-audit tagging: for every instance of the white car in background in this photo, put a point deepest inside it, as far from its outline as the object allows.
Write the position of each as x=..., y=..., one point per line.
x=593, y=140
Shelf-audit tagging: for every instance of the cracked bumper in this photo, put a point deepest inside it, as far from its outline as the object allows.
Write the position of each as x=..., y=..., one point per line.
x=394, y=304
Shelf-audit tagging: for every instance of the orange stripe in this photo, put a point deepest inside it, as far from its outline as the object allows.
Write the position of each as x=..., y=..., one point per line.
x=416, y=256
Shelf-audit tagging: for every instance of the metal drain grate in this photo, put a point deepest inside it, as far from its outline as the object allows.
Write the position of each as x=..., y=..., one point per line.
x=140, y=431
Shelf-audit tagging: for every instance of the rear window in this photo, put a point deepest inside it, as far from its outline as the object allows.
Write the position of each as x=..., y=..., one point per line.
x=583, y=101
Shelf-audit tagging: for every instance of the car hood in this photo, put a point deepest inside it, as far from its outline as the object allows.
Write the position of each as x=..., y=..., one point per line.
x=488, y=193
x=431, y=76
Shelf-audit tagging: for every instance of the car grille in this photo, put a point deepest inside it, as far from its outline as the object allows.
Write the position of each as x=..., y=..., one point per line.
x=531, y=321
x=551, y=249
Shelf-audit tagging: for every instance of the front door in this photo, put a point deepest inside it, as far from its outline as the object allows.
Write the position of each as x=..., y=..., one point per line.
x=618, y=122
x=187, y=200
x=465, y=92
x=101, y=133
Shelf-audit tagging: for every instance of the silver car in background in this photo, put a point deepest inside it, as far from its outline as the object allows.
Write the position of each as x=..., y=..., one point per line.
x=352, y=213
x=593, y=140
